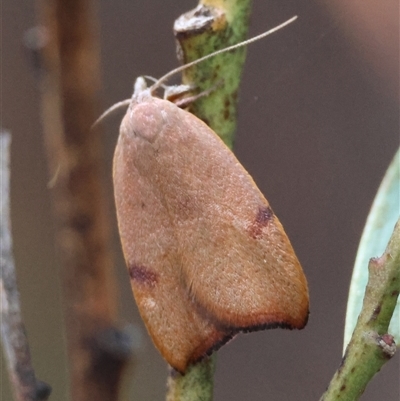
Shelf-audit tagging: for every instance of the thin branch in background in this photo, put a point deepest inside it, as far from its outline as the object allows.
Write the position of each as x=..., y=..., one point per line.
x=371, y=346
x=23, y=381
x=98, y=350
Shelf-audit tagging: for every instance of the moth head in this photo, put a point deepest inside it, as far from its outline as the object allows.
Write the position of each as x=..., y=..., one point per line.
x=141, y=92
x=145, y=117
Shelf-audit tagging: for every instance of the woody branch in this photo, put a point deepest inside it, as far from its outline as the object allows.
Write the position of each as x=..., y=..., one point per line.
x=98, y=350
x=23, y=381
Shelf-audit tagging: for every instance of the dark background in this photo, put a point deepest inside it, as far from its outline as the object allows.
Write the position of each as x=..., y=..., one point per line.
x=318, y=126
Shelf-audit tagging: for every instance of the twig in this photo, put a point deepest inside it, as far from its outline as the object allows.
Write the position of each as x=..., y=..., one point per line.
x=13, y=336
x=214, y=25
x=196, y=384
x=202, y=31
x=98, y=351
x=370, y=346
x=378, y=229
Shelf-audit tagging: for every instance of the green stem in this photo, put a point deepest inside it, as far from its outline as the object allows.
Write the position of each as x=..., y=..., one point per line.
x=370, y=346
x=217, y=24
x=196, y=385
x=223, y=23
x=376, y=234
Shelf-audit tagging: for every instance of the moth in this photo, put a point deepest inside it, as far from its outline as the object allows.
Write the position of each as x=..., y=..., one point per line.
x=206, y=255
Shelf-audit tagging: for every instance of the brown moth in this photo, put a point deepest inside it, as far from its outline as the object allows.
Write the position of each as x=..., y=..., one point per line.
x=206, y=255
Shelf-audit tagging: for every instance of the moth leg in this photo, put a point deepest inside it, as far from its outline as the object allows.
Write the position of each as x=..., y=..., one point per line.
x=186, y=101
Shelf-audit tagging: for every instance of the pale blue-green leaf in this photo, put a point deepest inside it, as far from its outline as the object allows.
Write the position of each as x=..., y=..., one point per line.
x=377, y=231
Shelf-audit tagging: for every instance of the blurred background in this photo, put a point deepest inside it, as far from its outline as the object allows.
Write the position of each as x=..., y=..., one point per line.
x=318, y=126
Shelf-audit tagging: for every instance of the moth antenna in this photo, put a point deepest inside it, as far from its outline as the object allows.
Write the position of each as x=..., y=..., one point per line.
x=110, y=110
x=159, y=83
x=226, y=49
x=155, y=80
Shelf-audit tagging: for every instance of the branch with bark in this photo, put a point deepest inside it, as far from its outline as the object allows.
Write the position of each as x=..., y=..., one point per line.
x=25, y=386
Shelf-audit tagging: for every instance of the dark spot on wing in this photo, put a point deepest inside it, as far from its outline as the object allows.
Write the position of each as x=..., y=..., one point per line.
x=142, y=275
x=264, y=215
